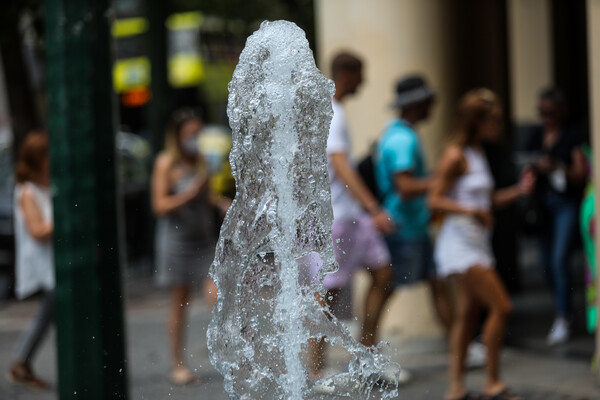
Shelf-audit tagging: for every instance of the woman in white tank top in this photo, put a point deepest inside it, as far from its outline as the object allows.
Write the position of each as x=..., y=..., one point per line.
x=34, y=264
x=464, y=193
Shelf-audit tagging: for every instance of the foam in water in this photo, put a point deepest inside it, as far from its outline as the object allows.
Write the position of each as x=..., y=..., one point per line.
x=279, y=110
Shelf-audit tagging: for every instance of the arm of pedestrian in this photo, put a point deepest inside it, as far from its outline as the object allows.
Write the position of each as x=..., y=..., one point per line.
x=383, y=221
x=163, y=201
x=577, y=172
x=409, y=186
x=505, y=197
x=39, y=228
x=350, y=177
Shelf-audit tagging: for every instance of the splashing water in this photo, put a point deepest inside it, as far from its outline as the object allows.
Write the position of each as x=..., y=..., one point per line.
x=279, y=110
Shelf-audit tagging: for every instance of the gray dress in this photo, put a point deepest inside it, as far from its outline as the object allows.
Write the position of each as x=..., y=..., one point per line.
x=185, y=240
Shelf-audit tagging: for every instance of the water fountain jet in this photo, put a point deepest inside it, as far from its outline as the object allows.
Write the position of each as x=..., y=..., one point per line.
x=279, y=110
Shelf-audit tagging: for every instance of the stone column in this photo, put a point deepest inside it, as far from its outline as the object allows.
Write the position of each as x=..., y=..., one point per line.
x=593, y=10
x=530, y=55
x=394, y=38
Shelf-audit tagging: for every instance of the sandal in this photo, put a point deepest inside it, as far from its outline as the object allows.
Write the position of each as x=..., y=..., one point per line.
x=21, y=374
x=183, y=376
x=504, y=394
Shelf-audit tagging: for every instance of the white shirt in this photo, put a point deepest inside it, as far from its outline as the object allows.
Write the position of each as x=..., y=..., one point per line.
x=474, y=188
x=34, y=259
x=345, y=205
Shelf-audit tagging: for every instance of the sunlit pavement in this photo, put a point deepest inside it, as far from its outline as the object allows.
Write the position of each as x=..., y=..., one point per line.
x=532, y=372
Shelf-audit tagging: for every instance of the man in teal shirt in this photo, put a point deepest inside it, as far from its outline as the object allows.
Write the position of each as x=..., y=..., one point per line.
x=402, y=180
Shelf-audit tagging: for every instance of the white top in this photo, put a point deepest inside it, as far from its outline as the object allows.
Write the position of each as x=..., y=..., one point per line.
x=462, y=241
x=34, y=263
x=474, y=188
x=345, y=206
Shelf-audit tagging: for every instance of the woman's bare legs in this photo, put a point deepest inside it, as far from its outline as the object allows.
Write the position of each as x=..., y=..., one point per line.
x=180, y=296
x=487, y=288
x=442, y=302
x=465, y=312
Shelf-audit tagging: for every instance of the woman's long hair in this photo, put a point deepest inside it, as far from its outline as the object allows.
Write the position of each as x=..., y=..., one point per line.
x=32, y=156
x=474, y=107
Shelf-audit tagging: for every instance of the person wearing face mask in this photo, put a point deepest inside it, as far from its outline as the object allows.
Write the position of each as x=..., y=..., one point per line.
x=185, y=231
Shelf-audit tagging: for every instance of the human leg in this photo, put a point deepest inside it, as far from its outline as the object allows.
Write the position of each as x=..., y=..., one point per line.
x=209, y=289
x=485, y=286
x=564, y=218
x=441, y=301
x=565, y=223
x=459, y=336
x=375, y=255
x=379, y=292
x=21, y=370
x=316, y=355
x=180, y=296
x=32, y=338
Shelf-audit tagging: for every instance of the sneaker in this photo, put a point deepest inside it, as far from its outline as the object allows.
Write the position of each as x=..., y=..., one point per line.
x=559, y=333
x=476, y=355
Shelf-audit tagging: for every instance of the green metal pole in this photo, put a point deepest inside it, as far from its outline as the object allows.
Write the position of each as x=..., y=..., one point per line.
x=89, y=312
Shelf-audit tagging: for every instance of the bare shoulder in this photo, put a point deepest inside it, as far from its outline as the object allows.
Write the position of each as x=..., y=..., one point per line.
x=453, y=154
x=453, y=159
x=27, y=195
x=28, y=201
x=163, y=162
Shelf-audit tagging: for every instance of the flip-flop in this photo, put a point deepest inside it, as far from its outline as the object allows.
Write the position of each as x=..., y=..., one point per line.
x=504, y=394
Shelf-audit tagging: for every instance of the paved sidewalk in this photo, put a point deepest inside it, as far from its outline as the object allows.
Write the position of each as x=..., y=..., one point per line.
x=535, y=375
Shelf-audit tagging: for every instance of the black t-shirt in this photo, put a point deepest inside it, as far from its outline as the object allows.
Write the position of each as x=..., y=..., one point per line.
x=570, y=138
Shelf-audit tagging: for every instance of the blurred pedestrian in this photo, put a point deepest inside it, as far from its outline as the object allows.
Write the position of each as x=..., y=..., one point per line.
x=464, y=191
x=403, y=182
x=34, y=251
x=185, y=232
x=562, y=174
x=358, y=218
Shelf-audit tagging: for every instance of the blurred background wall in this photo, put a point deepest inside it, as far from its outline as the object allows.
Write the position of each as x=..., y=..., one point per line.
x=394, y=38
